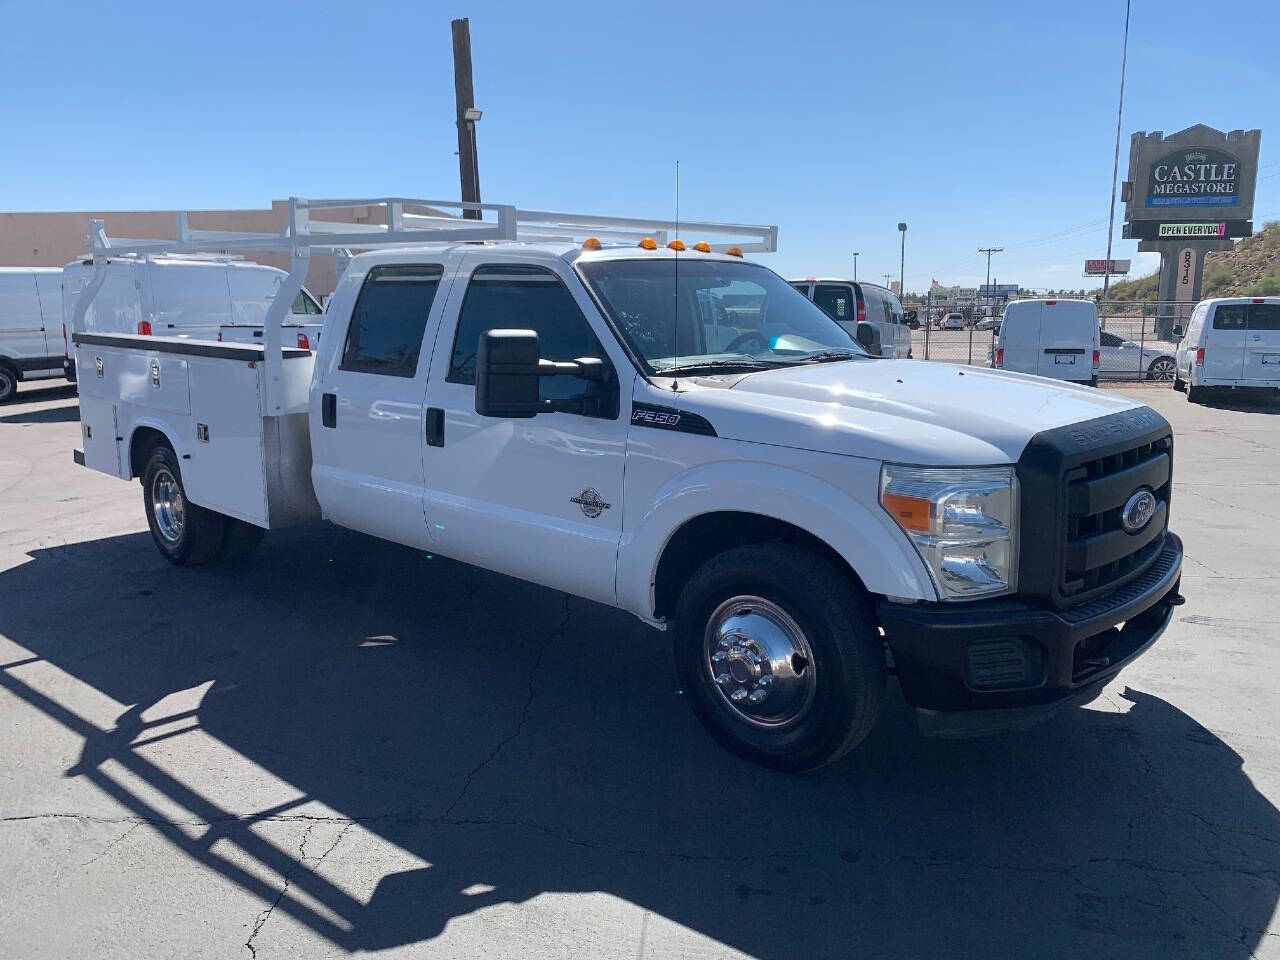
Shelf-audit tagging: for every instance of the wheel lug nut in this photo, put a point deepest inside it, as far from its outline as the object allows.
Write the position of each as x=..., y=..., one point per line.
x=738, y=695
x=757, y=695
x=723, y=679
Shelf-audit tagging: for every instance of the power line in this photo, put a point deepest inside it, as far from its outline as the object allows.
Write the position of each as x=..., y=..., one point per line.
x=1115, y=168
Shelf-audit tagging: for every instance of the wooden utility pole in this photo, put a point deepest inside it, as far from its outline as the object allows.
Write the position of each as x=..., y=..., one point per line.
x=468, y=165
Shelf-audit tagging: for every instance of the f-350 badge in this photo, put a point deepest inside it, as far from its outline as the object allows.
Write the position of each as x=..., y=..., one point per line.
x=591, y=502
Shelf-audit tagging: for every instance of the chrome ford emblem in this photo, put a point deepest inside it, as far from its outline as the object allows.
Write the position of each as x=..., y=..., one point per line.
x=1138, y=510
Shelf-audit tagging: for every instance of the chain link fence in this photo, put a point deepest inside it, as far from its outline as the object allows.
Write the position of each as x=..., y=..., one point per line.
x=1136, y=340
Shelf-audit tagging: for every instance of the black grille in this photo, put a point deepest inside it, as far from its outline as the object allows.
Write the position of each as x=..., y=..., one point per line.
x=1075, y=482
x=1099, y=552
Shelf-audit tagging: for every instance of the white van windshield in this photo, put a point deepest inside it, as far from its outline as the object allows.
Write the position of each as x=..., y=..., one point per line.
x=713, y=314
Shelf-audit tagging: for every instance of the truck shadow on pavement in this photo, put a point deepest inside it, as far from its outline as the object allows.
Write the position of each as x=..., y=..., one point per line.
x=524, y=743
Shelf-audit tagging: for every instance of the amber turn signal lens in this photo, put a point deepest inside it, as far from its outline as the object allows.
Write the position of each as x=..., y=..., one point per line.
x=912, y=513
x=676, y=245
x=648, y=243
x=702, y=246
x=591, y=243
x=734, y=251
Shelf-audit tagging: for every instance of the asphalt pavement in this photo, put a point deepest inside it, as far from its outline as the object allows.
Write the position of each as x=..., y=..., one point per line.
x=344, y=746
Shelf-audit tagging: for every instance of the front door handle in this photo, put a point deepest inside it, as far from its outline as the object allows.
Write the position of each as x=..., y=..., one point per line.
x=329, y=409
x=435, y=427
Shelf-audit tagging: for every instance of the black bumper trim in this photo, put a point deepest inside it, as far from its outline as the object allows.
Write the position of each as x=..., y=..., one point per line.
x=78, y=457
x=1077, y=649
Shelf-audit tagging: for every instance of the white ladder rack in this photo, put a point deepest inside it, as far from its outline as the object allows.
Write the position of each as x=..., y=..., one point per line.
x=423, y=222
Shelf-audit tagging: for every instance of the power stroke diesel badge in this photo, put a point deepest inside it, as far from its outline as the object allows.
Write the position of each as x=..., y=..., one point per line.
x=591, y=502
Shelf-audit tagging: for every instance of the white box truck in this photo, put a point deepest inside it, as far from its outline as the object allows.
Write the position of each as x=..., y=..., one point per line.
x=677, y=432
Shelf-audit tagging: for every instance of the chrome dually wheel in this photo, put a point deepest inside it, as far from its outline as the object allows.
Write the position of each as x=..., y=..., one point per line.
x=168, y=505
x=760, y=661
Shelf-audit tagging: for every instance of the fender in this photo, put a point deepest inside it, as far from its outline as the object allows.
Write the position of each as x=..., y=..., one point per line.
x=864, y=535
x=155, y=423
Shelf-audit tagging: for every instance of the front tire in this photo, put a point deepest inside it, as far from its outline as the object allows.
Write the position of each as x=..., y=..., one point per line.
x=8, y=384
x=779, y=654
x=185, y=534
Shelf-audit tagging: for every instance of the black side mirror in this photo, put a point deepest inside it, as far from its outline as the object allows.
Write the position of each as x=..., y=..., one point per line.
x=508, y=369
x=507, y=374
x=1177, y=330
x=868, y=336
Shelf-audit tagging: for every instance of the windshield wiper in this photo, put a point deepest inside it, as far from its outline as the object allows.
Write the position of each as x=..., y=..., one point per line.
x=830, y=356
x=718, y=366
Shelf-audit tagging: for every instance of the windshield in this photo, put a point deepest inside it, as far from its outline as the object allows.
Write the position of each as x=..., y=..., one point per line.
x=688, y=314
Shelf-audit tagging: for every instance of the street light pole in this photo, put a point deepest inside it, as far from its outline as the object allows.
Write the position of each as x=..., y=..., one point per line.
x=902, y=262
x=1115, y=164
x=989, y=251
x=855, y=266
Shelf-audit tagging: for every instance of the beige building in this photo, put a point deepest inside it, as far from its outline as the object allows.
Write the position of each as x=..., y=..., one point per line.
x=53, y=239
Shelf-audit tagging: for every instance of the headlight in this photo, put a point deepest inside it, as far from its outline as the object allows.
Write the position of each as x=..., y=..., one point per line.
x=962, y=521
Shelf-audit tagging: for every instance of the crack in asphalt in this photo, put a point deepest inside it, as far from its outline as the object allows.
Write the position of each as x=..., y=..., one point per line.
x=265, y=915
x=107, y=849
x=524, y=713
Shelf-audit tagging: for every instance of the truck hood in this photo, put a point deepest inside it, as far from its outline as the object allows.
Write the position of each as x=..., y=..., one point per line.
x=908, y=411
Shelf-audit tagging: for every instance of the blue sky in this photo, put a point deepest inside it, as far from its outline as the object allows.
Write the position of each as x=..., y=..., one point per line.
x=979, y=124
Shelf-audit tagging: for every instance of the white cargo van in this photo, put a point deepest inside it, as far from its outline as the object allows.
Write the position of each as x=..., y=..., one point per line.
x=850, y=303
x=30, y=348
x=168, y=296
x=1230, y=342
x=1050, y=338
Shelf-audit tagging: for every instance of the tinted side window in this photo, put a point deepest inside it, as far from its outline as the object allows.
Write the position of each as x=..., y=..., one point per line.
x=1264, y=316
x=1230, y=316
x=1110, y=339
x=802, y=287
x=304, y=305
x=835, y=299
x=524, y=298
x=390, y=318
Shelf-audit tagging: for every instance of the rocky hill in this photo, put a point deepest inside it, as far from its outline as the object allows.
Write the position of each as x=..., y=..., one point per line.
x=1250, y=269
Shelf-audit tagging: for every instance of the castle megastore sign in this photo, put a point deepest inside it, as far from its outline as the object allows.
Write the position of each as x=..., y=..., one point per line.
x=1194, y=178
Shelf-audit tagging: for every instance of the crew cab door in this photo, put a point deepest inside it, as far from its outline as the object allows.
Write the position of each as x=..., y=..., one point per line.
x=538, y=498
x=366, y=407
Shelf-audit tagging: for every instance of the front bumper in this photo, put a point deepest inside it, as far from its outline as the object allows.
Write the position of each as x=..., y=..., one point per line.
x=1007, y=655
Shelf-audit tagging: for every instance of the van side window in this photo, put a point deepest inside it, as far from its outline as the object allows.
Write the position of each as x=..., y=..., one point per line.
x=836, y=299
x=524, y=297
x=302, y=304
x=1230, y=316
x=390, y=318
x=1264, y=316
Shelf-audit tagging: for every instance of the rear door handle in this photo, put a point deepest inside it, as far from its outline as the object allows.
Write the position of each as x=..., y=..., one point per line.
x=329, y=409
x=435, y=427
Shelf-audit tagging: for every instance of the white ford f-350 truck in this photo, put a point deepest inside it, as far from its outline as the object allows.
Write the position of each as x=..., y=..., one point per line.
x=677, y=432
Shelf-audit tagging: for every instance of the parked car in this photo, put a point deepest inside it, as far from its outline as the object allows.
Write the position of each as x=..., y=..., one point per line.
x=987, y=323
x=1050, y=338
x=849, y=303
x=30, y=310
x=791, y=511
x=951, y=321
x=1122, y=357
x=1229, y=342
x=189, y=298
